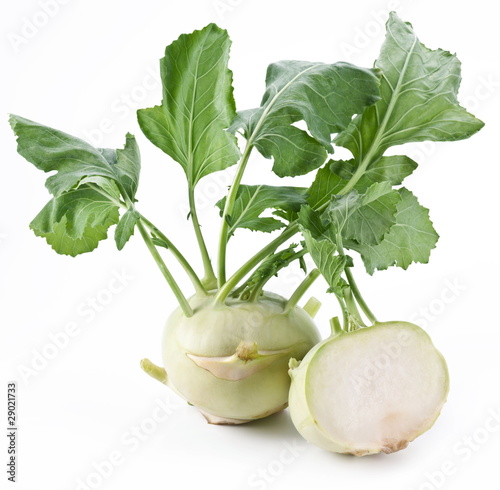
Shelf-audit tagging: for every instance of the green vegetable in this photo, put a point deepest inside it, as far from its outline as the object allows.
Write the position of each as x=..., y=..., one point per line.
x=244, y=359
x=369, y=391
x=226, y=347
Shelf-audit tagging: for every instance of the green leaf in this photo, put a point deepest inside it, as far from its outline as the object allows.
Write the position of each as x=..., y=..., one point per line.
x=375, y=216
x=294, y=151
x=324, y=96
x=419, y=98
x=159, y=242
x=331, y=266
x=125, y=228
x=312, y=221
x=334, y=176
x=287, y=216
x=393, y=169
x=77, y=162
x=52, y=150
x=75, y=222
x=253, y=200
x=128, y=163
x=411, y=239
x=106, y=186
x=326, y=184
x=367, y=217
x=197, y=104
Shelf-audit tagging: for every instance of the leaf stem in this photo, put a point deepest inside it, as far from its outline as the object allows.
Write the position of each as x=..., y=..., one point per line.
x=247, y=267
x=353, y=287
x=352, y=308
x=197, y=284
x=186, y=307
x=335, y=327
x=195, y=280
x=228, y=209
x=209, y=281
x=345, y=315
x=357, y=294
x=260, y=286
x=257, y=290
x=301, y=289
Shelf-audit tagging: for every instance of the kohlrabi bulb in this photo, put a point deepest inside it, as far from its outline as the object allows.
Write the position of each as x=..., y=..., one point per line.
x=368, y=391
x=231, y=360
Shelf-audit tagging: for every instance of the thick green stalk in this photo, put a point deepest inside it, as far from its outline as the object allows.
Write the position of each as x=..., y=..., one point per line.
x=186, y=307
x=209, y=281
x=260, y=286
x=200, y=289
x=257, y=290
x=248, y=266
x=228, y=209
x=301, y=289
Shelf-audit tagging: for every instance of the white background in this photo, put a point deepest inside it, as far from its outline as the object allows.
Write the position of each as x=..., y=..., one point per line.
x=88, y=65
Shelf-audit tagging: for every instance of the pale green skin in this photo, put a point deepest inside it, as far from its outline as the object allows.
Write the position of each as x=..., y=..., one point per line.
x=302, y=390
x=217, y=332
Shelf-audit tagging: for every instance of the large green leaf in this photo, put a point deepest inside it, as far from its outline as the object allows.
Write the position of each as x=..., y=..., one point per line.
x=87, y=185
x=75, y=222
x=253, y=200
x=51, y=150
x=411, y=239
x=324, y=96
x=419, y=98
x=197, y=105
x=76, y=161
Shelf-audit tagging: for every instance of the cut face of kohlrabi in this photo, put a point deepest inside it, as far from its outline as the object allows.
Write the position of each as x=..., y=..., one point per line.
x=231, y=360
x=372, y=390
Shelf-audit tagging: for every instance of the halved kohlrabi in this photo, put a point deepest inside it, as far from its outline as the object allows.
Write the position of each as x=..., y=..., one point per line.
x=368, y=391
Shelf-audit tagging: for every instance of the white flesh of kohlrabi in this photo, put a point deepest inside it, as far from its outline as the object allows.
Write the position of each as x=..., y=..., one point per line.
x=372, y=390
x=231, y=361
